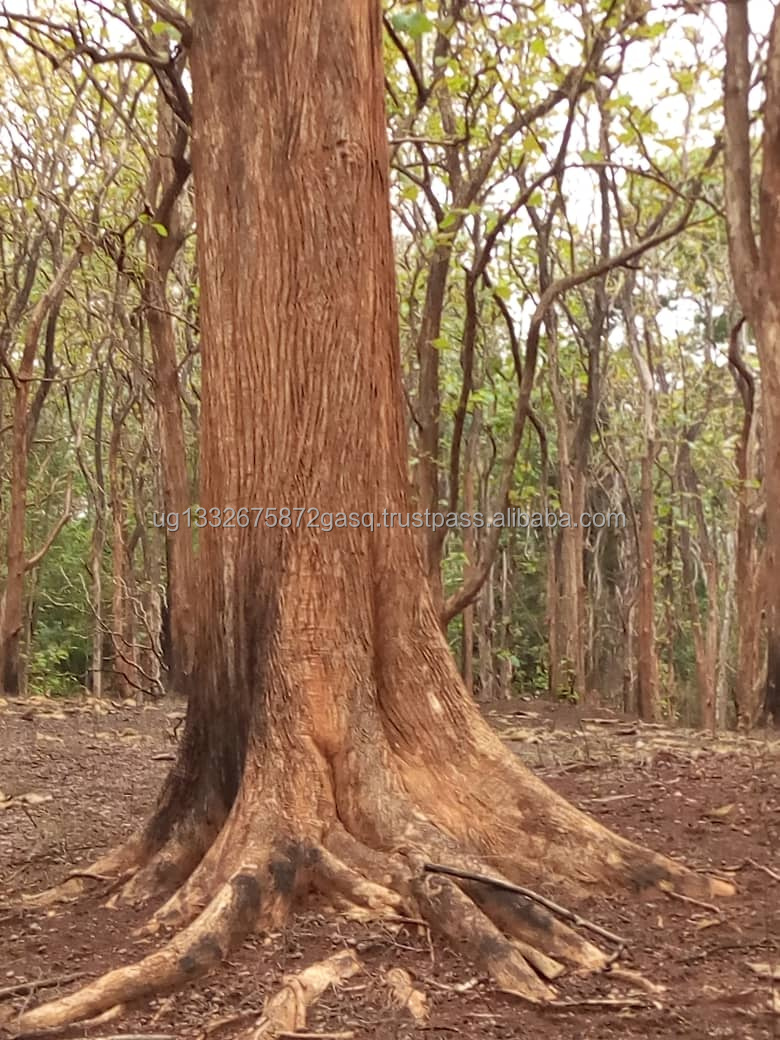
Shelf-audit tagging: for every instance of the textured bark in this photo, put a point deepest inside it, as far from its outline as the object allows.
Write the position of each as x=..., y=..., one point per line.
x=647, y=657
x=748, y=568
x=168, y=177
x=26, y=410
x=122, y=635
x=330, y=744
x=705, y=621
x=754, y=270
x=469, y=548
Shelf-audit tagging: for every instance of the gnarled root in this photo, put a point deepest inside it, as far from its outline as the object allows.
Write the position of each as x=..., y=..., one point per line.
x=332, y=875
x=251, y=893
x=360, y=833
x=285, y=1011
x=121, y=862
x=450, y=912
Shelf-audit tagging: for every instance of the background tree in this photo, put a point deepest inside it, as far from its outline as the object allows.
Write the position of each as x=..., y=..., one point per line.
x=752, y=266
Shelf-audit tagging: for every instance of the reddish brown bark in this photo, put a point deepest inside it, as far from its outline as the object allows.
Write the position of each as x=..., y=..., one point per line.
x=647, y=656
x=329, y=737
x=754, y=269
x=168, y=177
x=748, y=590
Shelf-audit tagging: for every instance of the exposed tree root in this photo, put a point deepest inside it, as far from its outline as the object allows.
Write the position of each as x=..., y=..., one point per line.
x=451, y=913
x=333, y=875
x=358, y=829
x=285, y=1011
x=117, y=864
x=526, y=921
x=405, y=995
x=164, y=871
x=195, y=950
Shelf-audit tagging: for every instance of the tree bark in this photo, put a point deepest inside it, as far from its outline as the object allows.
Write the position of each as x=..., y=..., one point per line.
x=330, y=742
x=168, y=177
x=754, y=270
x=647, y=657
x=12, y=601
x=122, y=634
x=749, y=592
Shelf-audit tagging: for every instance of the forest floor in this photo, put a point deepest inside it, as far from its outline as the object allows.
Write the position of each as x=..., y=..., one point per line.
x=75, y=778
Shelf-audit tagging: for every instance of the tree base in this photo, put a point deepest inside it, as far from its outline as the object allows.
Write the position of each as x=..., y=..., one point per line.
x=348, y=833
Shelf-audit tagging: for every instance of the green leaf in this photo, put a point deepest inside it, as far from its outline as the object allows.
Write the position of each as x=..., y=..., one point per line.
x=161, y=230
x=164, y=27
x=539, y=47
x=415, y=23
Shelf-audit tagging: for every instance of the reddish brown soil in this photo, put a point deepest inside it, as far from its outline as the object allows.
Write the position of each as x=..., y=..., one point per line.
x=713, y=803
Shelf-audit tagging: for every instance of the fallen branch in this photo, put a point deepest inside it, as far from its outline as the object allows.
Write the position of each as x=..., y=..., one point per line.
x=507, y=886
x=90, y=876
x=136, y=1036
x=669, y=891
x=606, y=1002
x=285, y=1011
x=756, y=866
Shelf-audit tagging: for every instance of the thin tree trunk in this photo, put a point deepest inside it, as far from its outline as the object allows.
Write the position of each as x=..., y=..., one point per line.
x=754, y=267
x=469, y=548
x=505, y=651
x=121, y=620
x=647, y=658
x=167, y=179
x=485, y=626
x=749, y=588
x=12, y=603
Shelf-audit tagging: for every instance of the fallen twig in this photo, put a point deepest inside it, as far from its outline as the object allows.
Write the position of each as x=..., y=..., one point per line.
x=347, y=1035
x=507, y=886
x=90, y=876
x=22, y=989
x=756, y=866
x=691, y=958
x=136, y=1036
x=611, y=1002
x=669, y=891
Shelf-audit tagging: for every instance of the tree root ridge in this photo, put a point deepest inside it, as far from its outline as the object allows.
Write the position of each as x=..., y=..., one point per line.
x=451, y=913
x=115, y=867
x=249, y=894
x=273, y=850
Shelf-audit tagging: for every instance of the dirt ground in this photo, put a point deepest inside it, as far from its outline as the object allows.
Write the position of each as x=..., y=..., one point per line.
x=74, y=778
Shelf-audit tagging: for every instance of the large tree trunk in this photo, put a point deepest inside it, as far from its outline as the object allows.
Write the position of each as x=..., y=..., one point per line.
x=330, y=742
